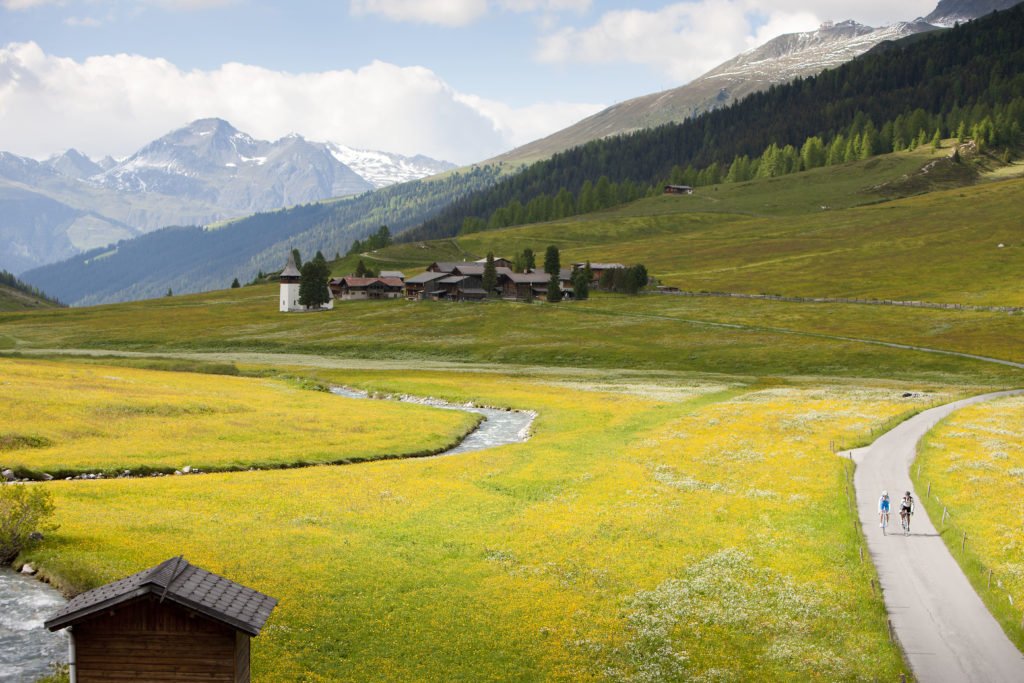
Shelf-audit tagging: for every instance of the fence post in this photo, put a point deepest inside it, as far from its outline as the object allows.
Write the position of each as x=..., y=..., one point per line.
x=892, y=634
x=861, y=549
x=929, y=489
x=944, y=514
x=963, y=543
x=872, y=586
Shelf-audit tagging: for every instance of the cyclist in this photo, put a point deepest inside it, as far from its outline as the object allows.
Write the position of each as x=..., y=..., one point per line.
x=906, y=511
x=883, y=510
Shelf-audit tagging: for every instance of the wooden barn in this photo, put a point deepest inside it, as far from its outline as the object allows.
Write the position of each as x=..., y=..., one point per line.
x=171, y=622
x=678, y=189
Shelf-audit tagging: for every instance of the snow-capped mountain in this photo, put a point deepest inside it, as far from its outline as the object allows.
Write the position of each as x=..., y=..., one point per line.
x=383, y=168
x=780, y=60
x=204, y=172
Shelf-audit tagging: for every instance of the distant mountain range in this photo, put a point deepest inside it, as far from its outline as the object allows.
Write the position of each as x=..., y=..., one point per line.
x=205, y=172
x=778, y=61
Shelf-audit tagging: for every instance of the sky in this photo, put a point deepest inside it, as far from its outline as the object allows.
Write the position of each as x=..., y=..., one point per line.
x=460, y=80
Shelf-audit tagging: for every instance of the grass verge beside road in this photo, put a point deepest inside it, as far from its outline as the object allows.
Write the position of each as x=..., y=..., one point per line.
x=973, y=462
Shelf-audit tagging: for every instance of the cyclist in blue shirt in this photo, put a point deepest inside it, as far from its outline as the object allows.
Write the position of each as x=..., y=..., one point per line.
x=883, y=509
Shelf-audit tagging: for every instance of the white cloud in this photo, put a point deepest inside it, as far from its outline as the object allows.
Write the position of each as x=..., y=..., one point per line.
x=685, y=39
x=116, y=103
x=457, y=12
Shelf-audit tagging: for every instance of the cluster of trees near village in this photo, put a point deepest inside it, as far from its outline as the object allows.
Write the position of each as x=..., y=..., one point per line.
x=967, y=82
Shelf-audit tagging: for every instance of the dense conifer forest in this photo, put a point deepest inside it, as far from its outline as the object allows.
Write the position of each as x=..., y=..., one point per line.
x=965, y=82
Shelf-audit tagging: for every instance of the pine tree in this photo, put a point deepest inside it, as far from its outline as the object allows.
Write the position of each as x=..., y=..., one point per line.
x=235, y=284
x=554, y=289
x=529, y=260
x=490, y=277
x=360, y=269
x=552, y=266
x=937, y=140
x=552, y=260
x=313, y=291
x=580, y=285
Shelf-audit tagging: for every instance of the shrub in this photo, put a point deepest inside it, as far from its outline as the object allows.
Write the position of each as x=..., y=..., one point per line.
x=23, y=510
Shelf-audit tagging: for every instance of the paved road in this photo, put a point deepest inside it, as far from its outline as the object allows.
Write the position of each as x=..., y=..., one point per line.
x=945, y=629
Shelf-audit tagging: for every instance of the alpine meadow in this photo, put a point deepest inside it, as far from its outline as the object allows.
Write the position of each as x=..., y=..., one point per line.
x=607, y=411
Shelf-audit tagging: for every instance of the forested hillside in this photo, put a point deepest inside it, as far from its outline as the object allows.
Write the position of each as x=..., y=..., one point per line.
x=192, y=259
x=966, y=82
x=16, y=295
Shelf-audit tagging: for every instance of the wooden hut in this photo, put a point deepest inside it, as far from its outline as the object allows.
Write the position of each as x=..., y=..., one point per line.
x=171, y=622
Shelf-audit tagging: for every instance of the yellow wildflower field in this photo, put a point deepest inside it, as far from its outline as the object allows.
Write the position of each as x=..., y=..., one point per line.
x=64, y=418
x=974, y=462
x=703, y=535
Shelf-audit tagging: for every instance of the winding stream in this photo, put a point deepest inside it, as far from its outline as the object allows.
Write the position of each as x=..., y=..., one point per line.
x=499, y=428
x=27, y=649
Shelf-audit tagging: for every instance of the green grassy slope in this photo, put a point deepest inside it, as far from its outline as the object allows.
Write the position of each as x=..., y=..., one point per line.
x=12, y=299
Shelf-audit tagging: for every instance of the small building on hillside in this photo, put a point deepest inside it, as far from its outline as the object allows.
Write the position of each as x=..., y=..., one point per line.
x=394, y=274
x=171, y=622
x=419, y=286
x=523, y=286
x=290, y=280
x=678, y=189
x=351, y=288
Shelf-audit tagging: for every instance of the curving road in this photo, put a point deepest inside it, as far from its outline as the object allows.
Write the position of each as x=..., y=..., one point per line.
x=945, y=629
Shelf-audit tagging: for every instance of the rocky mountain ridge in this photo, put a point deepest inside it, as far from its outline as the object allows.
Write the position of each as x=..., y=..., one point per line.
x=778, y=61
x=201, y=173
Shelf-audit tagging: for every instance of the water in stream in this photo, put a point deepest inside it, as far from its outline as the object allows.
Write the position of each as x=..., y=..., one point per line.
x=500, y=427
x=26, y=648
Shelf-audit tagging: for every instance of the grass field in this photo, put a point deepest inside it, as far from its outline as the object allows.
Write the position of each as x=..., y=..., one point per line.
x=66, y=419
x=692, y=530
x=974, y=462
x=651, y=332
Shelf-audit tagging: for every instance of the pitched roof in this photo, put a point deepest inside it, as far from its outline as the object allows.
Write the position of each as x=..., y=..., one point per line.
x=352, y=281
x=181, y=583
x=289, y=267
x=424, y=278
x=452, y=279
x=527, y=278
x=601, y=266
x=392, y=273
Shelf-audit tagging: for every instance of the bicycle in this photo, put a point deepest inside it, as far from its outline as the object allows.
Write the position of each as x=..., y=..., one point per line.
x=885, y=522
x=905, y=521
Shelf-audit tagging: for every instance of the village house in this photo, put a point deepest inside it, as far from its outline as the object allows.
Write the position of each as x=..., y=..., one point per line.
x=420, y=286
x=598, y=269
x=351, y=288
x=678, y=189
x=396, y=274
x=171, y=622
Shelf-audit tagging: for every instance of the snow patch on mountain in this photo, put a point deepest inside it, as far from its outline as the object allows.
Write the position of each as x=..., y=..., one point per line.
x=383, y=168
